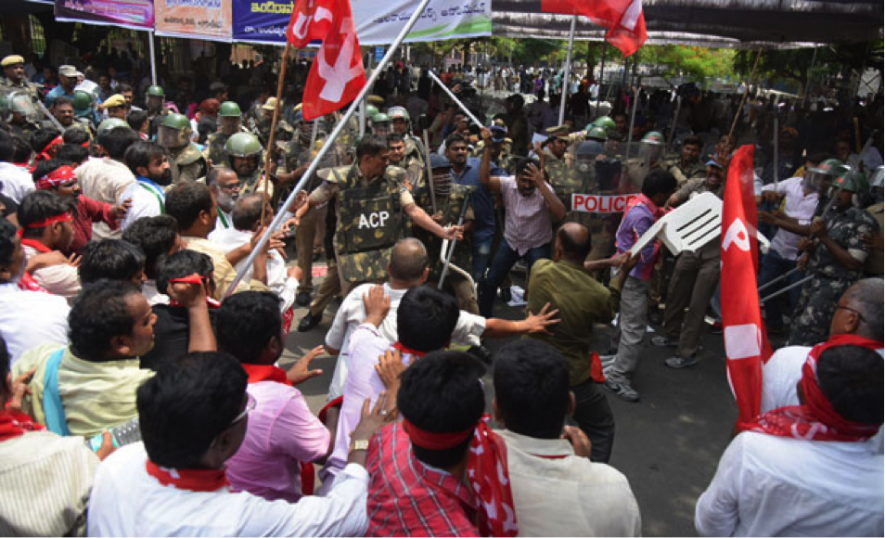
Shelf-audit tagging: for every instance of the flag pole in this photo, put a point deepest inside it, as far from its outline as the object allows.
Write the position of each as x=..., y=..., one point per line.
x=314, y=164
x=457, y=101
x=153, y=57
x=273, y=127
x=567, y=72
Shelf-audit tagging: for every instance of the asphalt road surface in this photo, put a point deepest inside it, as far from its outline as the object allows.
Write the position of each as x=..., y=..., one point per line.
x=668, y=444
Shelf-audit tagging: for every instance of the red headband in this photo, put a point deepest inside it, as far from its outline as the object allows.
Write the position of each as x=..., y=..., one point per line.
x=435, y=440
x=64, y=217
x=59, y=176
x=190, y=279
x=44, y=155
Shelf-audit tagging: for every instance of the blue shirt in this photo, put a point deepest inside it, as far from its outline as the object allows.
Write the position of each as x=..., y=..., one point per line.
x=635, y=223
x=54, y=94
x=483, y=205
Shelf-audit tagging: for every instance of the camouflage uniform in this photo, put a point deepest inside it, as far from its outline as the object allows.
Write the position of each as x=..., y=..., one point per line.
x=567, y=179
x=32, y=89
x=25, y=129
x=412, y=163
x=188, y=164
x=214, y=151
x=817, y=305
x=156, y=118
x=370, y=220
x=683, y=173
x=449, y=208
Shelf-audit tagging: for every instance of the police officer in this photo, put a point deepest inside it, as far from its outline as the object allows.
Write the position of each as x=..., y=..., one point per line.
x=84, y=111
x=449, y=197
x=230, y=124
x=14, y=79
x=381, y=124
x=565, y=177
x=371, y=202
x=688, y=165
x=266, y=121
x=244, y=157
x=651, y=150
x=23, y=114
x=402, y=125
x=156, y=111
x=187, y=163
x=835, y=259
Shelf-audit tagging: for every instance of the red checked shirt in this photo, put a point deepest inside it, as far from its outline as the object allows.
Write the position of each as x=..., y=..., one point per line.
x=408, y=498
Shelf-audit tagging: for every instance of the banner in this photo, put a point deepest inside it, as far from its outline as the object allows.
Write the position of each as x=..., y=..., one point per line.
x=133, y=14
x=601, y=203
x=197, y=19
x=377, y=23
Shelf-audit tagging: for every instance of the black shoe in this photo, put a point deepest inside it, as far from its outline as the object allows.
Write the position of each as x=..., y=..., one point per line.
x=308, y=322
x=302, y=299
x=506, y=296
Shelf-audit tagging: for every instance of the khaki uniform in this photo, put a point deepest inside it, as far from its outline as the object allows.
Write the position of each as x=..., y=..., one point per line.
x=32, y=89
x=188, y=164
x=370, y=220
x=684, y=173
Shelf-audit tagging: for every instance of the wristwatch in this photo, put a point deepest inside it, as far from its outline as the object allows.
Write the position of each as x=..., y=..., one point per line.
x=359, y=444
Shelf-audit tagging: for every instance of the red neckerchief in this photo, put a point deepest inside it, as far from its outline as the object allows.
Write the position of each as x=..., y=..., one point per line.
x=36, y=245
x=27, y=166
x=27, y=283
x=817, y=420
x=642, y=199
x=487, y=471
x=266, y=372
x=14, y=424
x=189, y=479
x=44, y=155
x=408, y=350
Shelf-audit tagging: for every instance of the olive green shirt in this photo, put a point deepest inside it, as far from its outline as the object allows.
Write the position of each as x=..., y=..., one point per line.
x=582, y=301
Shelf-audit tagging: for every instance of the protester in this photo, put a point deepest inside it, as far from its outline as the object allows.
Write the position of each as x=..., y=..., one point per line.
x=112, y=259
x=148, y=163
x=557, y=491
x=157, y=237
x=47, y=226
x=193, y=417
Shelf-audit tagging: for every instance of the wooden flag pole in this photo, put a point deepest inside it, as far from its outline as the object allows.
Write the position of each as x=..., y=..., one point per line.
x=273, y=128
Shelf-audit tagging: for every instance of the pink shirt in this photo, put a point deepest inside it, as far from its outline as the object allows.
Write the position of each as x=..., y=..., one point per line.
x=528, y=223
x=282, y=431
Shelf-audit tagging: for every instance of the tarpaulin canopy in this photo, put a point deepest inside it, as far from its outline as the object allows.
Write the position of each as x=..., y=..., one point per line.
x=719, y=23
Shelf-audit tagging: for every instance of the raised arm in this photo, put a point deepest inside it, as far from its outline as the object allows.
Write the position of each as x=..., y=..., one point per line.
x=485, y=164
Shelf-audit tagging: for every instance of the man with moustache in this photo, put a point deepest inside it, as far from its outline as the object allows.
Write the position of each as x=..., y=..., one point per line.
x=225, y=187
x=150, y=166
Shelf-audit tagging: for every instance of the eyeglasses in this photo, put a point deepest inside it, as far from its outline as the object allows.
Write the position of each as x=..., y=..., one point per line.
x=250, y=406
x=859, y=315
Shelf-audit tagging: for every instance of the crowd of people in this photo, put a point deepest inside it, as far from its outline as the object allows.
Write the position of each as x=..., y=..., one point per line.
x=142, y=320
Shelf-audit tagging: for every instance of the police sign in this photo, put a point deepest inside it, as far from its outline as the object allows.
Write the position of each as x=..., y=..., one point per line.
x=599, y=203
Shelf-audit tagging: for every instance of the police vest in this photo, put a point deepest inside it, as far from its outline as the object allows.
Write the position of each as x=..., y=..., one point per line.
x=567, y=180
x=370, y=223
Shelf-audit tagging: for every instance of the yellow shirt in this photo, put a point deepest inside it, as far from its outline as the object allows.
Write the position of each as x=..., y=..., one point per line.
x=224, y=272
x=95, y=395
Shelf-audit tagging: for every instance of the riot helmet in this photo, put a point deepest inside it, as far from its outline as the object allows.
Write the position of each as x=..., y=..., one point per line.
x=175, y=131
x=244, y=152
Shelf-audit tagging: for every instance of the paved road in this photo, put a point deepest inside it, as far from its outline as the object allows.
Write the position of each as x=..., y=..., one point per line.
x=668, y=444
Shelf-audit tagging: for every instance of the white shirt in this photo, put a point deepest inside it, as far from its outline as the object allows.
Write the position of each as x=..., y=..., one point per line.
x=799, y=206
x=278, y=279
x=352, y=313
x=152, y=294
x=104, y=180
x=15, y=181
x=777, y=486
x=31, y=318
x=223, y=222
x=60, y=279
x=126, y=501
x=567, y=496
x=147, y=201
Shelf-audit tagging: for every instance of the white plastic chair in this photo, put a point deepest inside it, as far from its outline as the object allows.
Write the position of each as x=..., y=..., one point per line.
x=691, y=226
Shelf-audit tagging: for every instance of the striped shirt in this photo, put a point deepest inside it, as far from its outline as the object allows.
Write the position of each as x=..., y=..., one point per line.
x=528, y=223
x=45, y=482
x=408, y=498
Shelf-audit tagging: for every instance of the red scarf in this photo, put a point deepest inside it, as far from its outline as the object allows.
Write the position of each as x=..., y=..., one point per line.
x=487, y=471
x=657, y=212
x=266, y=372
x=14, y=424
x=36, y=245
x=189, y=479
x=27, y=283
x=817, y=420
x=408, y=350
x=44, y=155
x=59, y=176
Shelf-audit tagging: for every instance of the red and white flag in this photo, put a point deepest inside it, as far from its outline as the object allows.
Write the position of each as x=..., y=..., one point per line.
x=746, y=342
x=337, y=75
x=624, y=19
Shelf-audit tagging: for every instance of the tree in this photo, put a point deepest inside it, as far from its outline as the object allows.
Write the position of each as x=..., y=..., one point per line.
x=698, y=63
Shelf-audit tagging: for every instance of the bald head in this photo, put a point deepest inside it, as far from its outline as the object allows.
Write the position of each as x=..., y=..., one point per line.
x=865, y=298
x=408, y=260
x=574, y=242
x=247, y=212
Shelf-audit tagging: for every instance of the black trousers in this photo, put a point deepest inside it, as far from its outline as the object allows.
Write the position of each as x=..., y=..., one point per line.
x=595, y=418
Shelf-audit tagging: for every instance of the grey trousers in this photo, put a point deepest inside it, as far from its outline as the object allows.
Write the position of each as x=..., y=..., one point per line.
x=631, y=325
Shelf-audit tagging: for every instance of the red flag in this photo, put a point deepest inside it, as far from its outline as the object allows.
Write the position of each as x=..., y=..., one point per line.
x=337, y=74
x=624, y=19
x=746, y=343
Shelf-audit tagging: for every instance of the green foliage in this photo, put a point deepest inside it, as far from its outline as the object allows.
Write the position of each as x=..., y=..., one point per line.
x=698, y=63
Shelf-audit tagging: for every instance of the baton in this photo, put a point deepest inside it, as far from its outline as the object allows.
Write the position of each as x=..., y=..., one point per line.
x=786, y=289
x=49, y=115
x=457, y=101
x=429, y=170
x=454, y=242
